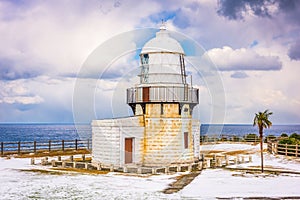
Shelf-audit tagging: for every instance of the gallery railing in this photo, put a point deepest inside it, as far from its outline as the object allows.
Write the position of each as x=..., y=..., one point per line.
x=163, y=94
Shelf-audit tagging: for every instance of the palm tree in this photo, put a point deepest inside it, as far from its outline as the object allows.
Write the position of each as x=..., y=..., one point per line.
x=261, y=120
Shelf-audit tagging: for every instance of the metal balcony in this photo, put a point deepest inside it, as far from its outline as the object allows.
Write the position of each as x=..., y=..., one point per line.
x=156, y=94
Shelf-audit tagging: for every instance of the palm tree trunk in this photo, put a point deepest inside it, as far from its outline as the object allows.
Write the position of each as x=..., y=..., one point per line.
x=261, y=148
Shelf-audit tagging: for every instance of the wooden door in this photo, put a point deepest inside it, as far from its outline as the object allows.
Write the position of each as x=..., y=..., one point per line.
x=186, y=140
x=145, y=94
x=128, y=150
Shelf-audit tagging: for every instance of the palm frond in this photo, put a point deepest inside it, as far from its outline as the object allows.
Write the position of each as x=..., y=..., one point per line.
x=261, y=119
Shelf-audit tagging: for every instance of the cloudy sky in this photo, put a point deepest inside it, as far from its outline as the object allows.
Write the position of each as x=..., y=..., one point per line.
x=255, y=44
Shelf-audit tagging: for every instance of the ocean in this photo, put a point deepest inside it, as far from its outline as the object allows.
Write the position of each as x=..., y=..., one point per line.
x=244, y=129
x=45, y=132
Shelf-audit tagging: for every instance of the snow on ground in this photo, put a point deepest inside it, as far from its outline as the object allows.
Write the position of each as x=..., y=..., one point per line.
x=211, y=183
x=16, y=184
x=274, y=161
x=223, y=184
x=220, y=183
x=229, y=147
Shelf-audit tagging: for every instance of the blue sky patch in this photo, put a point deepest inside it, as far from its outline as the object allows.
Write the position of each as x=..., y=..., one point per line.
x=165, y=15
x=254, y=43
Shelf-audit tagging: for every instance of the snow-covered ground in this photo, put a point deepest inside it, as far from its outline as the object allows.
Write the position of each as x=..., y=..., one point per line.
x=16, y=184
x=210, y=184
x=230, y=146
x=220, y=183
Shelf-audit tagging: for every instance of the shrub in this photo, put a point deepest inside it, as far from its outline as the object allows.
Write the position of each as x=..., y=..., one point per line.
x=292, y=139
x=223, y=138
x=286, y=141
x=251, y=137
x=284, y=135
x=295, y=135
x=235, y=138
x=269, y=137
x=290, y=143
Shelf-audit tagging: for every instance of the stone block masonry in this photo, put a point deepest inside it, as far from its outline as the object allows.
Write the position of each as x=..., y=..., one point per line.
x=109, y=136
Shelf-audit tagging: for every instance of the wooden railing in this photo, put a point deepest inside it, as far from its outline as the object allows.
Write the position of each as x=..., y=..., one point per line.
x=283, y=149
x=50, y=145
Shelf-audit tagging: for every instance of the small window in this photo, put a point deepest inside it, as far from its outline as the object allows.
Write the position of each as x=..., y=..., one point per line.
x=186, y=140
x=145, y=59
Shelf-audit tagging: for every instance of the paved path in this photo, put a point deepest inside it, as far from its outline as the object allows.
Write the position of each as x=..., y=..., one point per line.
x=181, y=182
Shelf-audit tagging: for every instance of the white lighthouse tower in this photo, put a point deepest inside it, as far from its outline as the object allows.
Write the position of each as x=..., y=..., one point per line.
x=166, y=101
x=162, y=131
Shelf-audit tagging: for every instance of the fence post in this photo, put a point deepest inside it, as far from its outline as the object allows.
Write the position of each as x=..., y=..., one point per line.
x=76, y=142
x=296, y=152
x=34, y=146
x=88, y=144
x=272, y=147
x=286, y=149
x=49, y=147
x=2, y=148
x=63, y=145
x=19, y=147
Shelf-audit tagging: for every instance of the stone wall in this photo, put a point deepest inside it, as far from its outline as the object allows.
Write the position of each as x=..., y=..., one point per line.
x=196, y=134
x=108, y=138
x=164, y=136
x=158, y=137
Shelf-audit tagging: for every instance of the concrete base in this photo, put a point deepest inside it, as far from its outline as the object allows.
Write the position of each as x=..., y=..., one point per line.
x=207, y=162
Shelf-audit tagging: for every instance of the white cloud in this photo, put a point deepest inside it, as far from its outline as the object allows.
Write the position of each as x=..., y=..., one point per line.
x=40, y=99
x=22, y=100
x=14, y=92
x=228, y=59
x=274, y=90
x=56, y=37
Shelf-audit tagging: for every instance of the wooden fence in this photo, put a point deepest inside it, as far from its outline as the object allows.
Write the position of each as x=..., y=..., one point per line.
x=50, y=145
x=283, y=149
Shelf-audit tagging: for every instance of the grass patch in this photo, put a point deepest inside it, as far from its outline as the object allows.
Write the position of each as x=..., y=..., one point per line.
x=42, y=171
x=82, y=171
x=62, y=171
x=135, y=175
x=53, y=153
x=237, y=152
x=267, y=167
x=211, y=151
x=87, y=159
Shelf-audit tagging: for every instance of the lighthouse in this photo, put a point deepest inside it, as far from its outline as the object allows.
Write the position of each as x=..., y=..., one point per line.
x=162, y=131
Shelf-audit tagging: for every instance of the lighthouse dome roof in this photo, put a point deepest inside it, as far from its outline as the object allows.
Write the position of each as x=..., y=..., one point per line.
x=162, y=43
